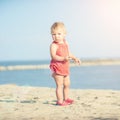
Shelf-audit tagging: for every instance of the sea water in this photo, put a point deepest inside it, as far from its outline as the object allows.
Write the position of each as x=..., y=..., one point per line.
x=82, y=77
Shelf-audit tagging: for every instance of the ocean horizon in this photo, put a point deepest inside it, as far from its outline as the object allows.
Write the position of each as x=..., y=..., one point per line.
x=82, y=77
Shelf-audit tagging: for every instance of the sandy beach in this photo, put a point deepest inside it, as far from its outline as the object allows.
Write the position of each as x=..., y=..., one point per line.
x=36, y=103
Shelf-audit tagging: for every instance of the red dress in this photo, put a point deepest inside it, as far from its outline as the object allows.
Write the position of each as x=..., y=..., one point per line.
x=60, y=67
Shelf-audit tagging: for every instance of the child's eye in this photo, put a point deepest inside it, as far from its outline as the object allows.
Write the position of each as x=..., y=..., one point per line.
x=59, y=33
x=53, y=34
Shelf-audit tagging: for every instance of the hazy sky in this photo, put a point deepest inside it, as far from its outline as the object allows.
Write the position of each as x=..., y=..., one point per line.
x=93, y=28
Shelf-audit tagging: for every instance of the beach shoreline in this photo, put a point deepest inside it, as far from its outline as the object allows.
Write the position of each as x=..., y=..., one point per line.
x=38, y=103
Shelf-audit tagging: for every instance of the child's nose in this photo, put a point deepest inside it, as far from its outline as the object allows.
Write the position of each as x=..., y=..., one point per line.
x=56, y=35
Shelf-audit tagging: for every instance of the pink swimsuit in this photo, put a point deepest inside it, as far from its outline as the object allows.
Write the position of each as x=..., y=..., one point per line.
x=60, y=67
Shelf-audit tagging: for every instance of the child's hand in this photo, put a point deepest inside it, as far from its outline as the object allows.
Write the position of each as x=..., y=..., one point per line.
x=67, y=58
x=76, y=60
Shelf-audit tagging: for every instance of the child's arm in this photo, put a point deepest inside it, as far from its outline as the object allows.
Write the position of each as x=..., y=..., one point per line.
x=71, y=56
x=53, y=49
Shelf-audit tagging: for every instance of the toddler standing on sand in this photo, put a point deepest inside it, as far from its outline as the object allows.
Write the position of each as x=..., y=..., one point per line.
x=60, y=56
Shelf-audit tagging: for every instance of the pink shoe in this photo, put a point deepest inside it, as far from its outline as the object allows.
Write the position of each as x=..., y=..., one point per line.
x=69, y=101
x=64, y=103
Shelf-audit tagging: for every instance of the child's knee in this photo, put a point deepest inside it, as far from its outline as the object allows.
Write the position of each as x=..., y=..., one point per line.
x=66, y=85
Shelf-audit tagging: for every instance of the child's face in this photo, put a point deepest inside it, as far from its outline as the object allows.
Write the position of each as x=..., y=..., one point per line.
x=58, y=35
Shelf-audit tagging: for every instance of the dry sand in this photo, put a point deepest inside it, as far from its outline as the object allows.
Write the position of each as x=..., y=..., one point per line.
x=36, y=103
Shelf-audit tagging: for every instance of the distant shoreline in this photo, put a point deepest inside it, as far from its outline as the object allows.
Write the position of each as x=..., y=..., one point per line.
x=101, y=62
x=46, y=66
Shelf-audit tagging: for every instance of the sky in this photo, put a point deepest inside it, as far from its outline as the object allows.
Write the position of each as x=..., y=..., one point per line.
x=93, y=28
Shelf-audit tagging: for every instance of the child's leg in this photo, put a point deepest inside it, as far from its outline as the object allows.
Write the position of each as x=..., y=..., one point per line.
x=59, y=87
x=66, y=87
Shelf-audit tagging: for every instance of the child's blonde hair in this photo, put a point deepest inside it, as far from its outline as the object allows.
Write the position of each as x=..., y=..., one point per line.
x=57, y=25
